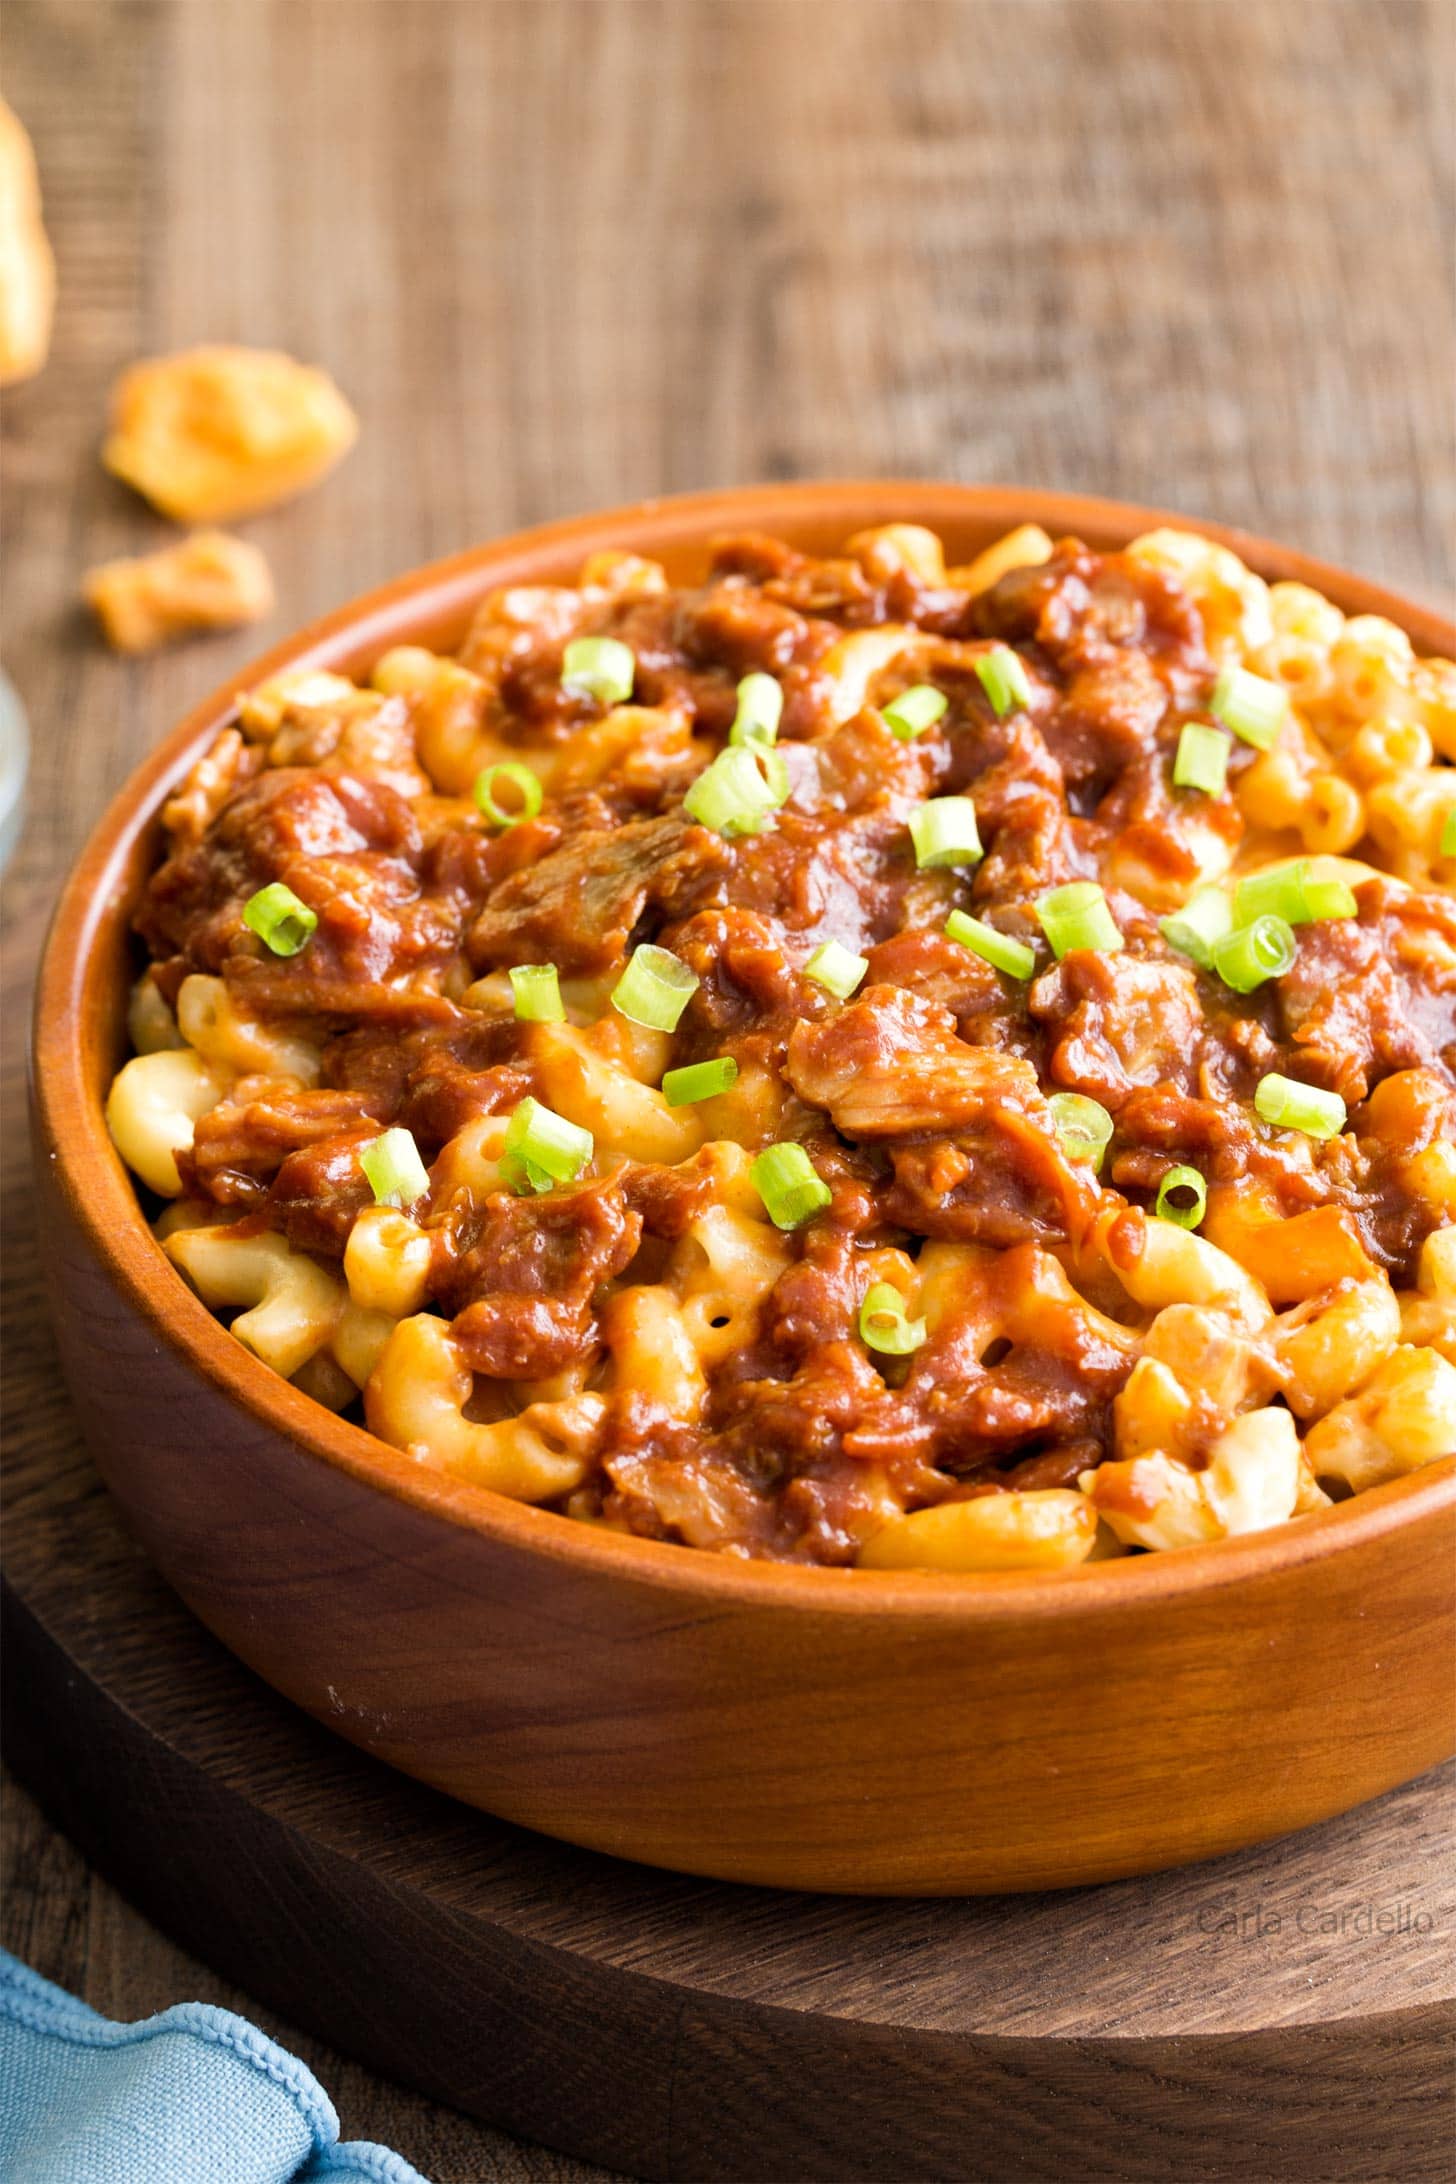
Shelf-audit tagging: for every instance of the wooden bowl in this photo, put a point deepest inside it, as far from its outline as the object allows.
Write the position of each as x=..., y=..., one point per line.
x=811, y=1728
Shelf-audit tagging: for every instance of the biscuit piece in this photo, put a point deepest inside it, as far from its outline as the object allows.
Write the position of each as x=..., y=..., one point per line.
x=27, y=267
x=218, y=432
x=207, y=581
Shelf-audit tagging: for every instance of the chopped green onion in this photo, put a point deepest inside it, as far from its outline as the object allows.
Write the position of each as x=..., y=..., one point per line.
x=1202, y=760
x=1084, y=1126
x=537, y=992
x=1252, y=953
x=915, y=710
x=1448, y=834
x=1290, y=1105
x=522, y=780
x=542, y=1148
x=1182, y=1198
x=944, y=833
x=654, y=989
x=1249, y=704
x=1014, y=957
x=599, y=667
x=699, y=1081
x=1289, y=891
x=760, y=709
x=1198, y=927
x=397, y=1175
x=836, y=968
x=884, y=1324
x=1077, y=916
x=280, y=920
x=1004, y=680
x=736, y=794
x=784, y=1177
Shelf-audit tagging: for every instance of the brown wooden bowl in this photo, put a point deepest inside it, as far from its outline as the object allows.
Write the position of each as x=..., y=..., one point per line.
x=810, y=1728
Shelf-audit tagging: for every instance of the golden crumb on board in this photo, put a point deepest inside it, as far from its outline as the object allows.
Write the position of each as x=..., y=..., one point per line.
x=214, y=433
x=27, y=266
x=207, y=581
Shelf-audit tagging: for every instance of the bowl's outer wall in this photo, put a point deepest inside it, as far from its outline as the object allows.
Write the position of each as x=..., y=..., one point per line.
x=807, y=1729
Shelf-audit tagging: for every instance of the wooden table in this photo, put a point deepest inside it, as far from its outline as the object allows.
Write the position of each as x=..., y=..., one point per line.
x=568, y=252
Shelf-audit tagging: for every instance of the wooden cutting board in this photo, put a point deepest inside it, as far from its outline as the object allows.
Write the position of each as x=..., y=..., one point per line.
x=1287, y=2013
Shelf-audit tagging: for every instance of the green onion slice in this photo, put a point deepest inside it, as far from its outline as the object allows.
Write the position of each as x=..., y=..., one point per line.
x=1084, y=1126
x=654, y=989
x=1004, y=679
x=397, y=1175
x=944, y=833
x=1290, y=1105
x=537, y=991
x=1448, y=834
x=1291, y=892
x=760, y=709
x=1198, y=927
x=599, y=667
x=699, y=1081
x=915, y=710
x=884, y=1324
x=1202, y=760
x=836, y=968
x=1251, y=705
x=1252, y=953
x=1077, y=916
x=1182, y=1198
x=542, y=1148
x=521, y=779
x=1015, y=957
x=736, y=794
x=280, y=920
x=786, y=1181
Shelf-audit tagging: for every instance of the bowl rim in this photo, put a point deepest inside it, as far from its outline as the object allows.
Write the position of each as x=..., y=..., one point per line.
x=71, y=1135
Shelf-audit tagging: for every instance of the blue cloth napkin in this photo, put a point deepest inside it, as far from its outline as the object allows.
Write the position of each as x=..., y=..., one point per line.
x=191, y=2096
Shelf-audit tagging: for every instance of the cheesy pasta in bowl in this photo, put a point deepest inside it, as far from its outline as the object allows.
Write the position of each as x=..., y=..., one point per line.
x=767, y=1182
x=847, y=1060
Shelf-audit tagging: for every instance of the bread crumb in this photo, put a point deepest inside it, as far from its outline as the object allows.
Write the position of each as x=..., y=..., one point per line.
x=27, y=265
x=207, y=581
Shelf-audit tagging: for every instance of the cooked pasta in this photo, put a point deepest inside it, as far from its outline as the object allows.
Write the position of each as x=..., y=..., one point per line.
x=854, y=1061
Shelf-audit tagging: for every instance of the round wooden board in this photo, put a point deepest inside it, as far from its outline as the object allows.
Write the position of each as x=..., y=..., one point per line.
x=1284, y=2013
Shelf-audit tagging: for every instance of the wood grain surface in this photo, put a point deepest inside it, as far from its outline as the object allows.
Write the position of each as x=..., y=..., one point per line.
x=567, y=252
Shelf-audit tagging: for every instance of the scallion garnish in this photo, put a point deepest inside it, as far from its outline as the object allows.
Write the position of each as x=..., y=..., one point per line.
x=1004, y=679
x=542, y=1148
x=1202, y=922
x=915, y=710
x=785, y=1179
x=836, y=968
x=1448, y=834
x=397, y=1175
x=537, y=993
x=1291, y=892
x=599, y=667
x=944, y=833
x=1084, y=1126
x=884, y=1324
x=1077, y=916
x=1202, y=760
x=1182, y=1198
x=760, y=709
x=654, y=989
x=280, y=920
x=1290, y=1105
x=1001, y=950
x=736, y=794
x=521, y=779
x=699, y=1081
x=1265, y=948
x=1251, y=705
